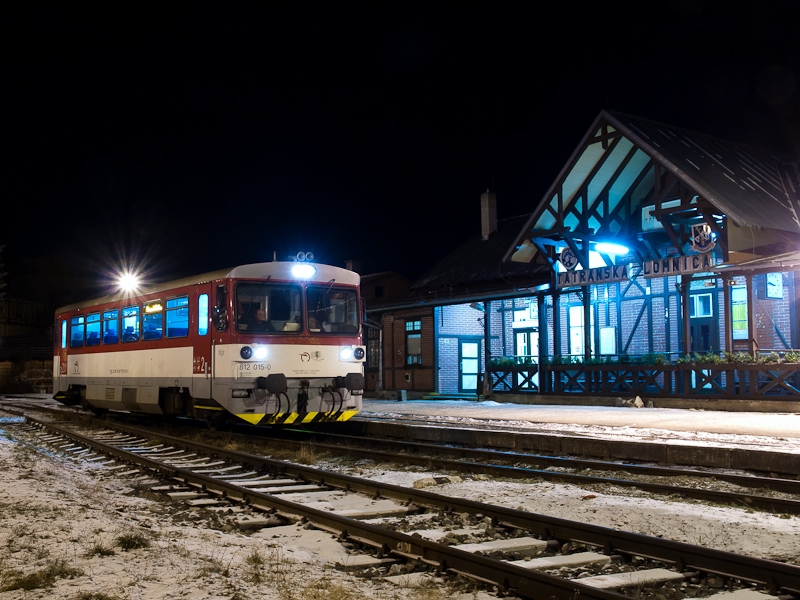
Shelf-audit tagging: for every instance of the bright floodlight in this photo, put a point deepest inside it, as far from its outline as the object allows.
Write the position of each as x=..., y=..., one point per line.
x=303, y=271
x=128, y=282
x=613, y=249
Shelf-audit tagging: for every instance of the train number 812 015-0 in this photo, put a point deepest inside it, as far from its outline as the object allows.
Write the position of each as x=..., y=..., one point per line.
x=255, y=367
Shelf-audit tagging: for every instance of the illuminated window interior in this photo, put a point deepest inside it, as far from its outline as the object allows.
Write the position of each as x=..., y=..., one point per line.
x=178, y=317
x=130, y=324
x=111, y=326
x=93, y=329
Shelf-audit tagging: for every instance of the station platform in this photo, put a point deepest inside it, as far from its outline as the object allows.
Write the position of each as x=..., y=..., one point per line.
x=786, y=425
x=768, y=442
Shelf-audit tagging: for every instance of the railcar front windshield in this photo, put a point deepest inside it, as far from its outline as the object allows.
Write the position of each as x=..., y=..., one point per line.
x=265, y=308
x=269, y=307
x=331, y=309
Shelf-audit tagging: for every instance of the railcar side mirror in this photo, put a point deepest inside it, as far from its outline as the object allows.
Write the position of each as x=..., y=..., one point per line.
x=219, y=319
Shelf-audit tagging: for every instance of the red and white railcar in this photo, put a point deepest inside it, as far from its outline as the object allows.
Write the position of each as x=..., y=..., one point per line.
x=276, y=342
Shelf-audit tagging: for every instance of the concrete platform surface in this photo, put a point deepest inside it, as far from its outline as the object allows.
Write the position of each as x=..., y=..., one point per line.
x=785, y=425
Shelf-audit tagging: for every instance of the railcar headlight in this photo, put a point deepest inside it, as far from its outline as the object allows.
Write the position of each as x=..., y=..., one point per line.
x=260, y=352
x=359, y=353
x=346, y=353
x=246, y=352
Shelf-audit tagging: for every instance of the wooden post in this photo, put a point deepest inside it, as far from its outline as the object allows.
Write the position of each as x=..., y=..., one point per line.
x=487, y=381
x=687, y=330
x=556, y=324
x=543, y=341
x=752, y=345
x=587, y=320
x=726, y=302
x=587, y=307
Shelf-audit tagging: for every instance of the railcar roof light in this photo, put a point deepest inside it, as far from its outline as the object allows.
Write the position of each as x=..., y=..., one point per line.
x=303, y=271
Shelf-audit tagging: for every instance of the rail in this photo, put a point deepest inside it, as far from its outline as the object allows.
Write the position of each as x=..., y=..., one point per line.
x=777, y=577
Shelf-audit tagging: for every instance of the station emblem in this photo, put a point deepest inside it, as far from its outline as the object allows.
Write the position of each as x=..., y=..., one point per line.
x=702, y=238
x=568, y=258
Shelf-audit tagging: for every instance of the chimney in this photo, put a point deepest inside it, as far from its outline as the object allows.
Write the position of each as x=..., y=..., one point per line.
x=353, y=265
x=488, y=214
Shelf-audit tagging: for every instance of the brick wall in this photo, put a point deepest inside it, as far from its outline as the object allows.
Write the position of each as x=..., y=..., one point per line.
x=457, y=322
x=398, y=374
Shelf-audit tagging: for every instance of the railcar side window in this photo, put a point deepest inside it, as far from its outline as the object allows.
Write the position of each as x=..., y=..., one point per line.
x=63, y=333
x=76, y=332
x=202, y=314
x=111, y=326
x=130, y=323
x=332, y=310
x=93, y=329
x=178, y=317
x=268, y=307
x=153, y=320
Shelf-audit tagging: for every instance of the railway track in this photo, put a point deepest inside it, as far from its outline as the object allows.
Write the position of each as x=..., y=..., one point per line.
x=569, y=469
x=658, y=480
x=513, y=551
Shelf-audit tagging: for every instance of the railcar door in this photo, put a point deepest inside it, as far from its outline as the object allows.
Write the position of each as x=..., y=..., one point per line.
x=61, y=374
x=201, y=335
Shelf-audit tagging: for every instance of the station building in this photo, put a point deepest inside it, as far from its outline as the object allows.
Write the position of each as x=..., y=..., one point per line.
x=661, y=262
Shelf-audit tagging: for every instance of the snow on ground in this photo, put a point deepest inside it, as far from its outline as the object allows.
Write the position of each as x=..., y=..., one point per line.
x=736, y=530
x=773, y=431
x=69, y=517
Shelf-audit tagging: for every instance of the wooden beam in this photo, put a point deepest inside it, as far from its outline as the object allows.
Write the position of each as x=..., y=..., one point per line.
x=603, y=195
x=675, y=239
x=582, y=258
x=583, y=190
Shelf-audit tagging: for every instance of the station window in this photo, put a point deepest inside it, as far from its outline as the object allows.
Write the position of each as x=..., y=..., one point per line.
x=130, y=323
x=76, y=332
x=202, y=314
x=700, y=306
x=93, y=329
x=413, y=342
x=739, y=313
x=153, y=320
x=178, y=317
x=111, y=326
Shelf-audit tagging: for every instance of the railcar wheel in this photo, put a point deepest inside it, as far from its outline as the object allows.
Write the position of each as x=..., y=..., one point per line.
x=216, y=421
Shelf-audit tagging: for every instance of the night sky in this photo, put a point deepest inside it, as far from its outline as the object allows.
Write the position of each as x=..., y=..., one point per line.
x=184, y=138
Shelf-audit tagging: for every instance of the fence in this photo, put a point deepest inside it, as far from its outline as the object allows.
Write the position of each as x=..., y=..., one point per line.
x=729, y=380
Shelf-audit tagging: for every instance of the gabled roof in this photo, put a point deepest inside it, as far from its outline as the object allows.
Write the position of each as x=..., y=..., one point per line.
x=752, y=186
x=383, y=275
x=625, y=163
x=478, y=263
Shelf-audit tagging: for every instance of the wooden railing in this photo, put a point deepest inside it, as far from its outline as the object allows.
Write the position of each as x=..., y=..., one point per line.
x=728, y=380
